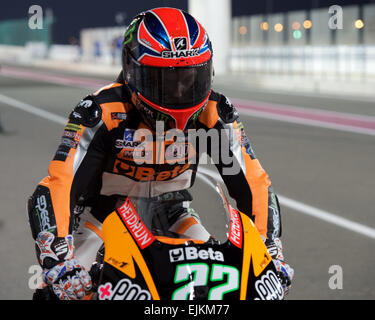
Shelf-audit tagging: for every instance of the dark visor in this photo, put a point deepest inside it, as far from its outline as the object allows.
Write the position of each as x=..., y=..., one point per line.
x=173, y=87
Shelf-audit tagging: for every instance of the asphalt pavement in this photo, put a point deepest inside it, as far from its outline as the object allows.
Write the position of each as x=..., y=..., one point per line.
x=319, y=167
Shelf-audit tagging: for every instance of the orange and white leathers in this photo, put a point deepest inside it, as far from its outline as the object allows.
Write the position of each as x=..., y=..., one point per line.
x=94, y=164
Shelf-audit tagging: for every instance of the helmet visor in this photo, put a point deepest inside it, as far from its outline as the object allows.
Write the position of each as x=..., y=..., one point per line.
x=173, y=87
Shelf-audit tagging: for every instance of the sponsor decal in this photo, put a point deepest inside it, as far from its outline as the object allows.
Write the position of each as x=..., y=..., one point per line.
x=129, y=134
x=61, y=248
x=131, y=154
x=269, y=287
x=121, y=144
x=129, y=32
x=69, y=143
x=146, y=42
x=69, y=140
x=77, y=115
x=120, y=264
x=235, y=232
x=118, y=116
x=72, y=135
x=41, y=206
x=159, y=116
x=178, y=54
x=180, y=43
x=140, y=173
x=128, y=140
x=196, y=115
x=135, y=225
x=73, y=127
x=141, y=150
x=61, y=155
x=244, y=140
x=274, y=211
x=179, y=151
x=193, y=253
x=124, y=290
x=150, y=113
x=85, y=103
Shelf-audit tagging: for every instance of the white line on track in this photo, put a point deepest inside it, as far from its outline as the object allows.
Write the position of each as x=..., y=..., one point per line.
x=328, y=217
x=287, y=202
x=311, y=211
x=33, y=110
x=307, y=122
x=305, y=116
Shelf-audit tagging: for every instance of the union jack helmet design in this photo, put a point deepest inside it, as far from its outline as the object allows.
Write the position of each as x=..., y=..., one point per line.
x=167, y=62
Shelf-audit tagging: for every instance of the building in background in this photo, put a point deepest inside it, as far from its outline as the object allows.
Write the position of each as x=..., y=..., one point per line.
x=263, y=37
x=325, y=42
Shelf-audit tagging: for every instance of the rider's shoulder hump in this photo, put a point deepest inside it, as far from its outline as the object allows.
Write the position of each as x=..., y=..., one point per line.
x=225, y=109
x=87, y=112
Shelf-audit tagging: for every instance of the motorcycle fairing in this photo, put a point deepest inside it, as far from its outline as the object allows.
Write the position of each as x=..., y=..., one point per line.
x=183, y=269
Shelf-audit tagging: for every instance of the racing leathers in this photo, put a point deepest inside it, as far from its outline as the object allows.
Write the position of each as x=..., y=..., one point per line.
x=95, y=167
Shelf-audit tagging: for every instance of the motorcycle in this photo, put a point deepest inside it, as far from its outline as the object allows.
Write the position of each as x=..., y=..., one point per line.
x=142, y=260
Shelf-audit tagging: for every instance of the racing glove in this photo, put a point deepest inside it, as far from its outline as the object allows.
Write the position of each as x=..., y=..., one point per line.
x=68, y=278
x=284, y=271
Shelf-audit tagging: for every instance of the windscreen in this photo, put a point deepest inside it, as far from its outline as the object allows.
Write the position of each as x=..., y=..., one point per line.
x=161, y=214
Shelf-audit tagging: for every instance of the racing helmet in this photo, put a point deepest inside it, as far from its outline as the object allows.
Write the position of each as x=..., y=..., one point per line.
x=167, y=63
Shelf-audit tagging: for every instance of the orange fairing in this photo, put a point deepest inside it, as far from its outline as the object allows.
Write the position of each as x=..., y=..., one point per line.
x=253, y=250
x=121, y=252
x=134, y=224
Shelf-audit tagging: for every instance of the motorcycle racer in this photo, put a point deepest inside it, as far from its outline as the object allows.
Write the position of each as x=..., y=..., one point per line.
x=165, y=80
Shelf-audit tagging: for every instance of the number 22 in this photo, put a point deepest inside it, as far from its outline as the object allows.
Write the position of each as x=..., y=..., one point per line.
x=200, y=274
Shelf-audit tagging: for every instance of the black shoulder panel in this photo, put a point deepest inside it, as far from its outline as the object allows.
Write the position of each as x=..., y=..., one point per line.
x=227, y=112
x=87, y=112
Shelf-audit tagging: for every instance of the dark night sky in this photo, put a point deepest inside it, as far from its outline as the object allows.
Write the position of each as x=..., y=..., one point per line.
x=71, y=16
x=244, y=7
